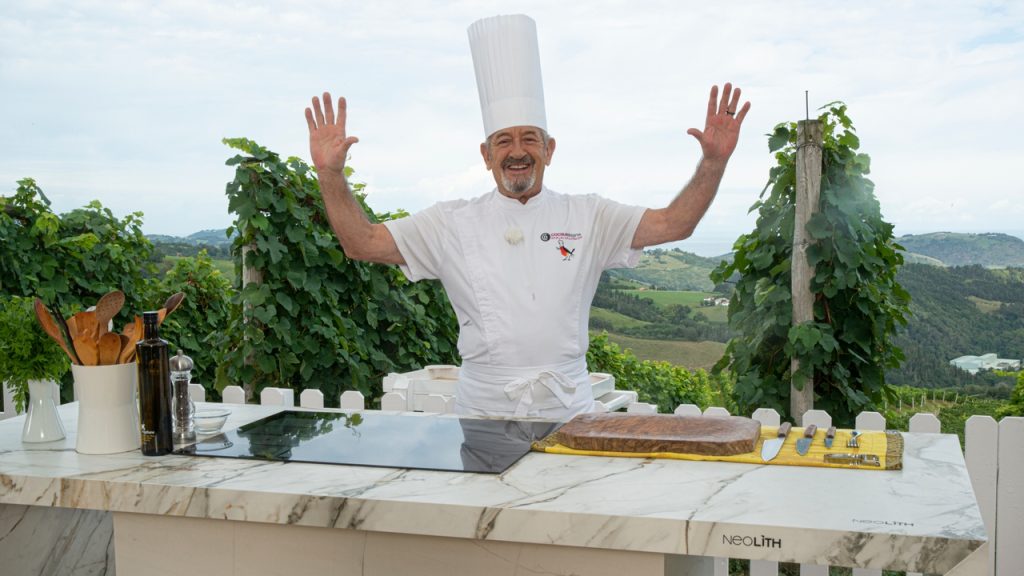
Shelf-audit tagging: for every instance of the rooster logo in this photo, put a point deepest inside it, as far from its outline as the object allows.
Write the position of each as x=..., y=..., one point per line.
x=566, y=253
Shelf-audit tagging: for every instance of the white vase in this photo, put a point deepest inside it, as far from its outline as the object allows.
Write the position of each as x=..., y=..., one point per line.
x=108, y=415
x=42, y=423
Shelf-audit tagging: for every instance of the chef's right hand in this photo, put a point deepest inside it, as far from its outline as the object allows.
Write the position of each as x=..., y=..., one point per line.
x=328, y=143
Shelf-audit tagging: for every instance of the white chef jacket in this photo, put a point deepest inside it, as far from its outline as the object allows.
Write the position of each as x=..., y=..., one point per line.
x=521, y=278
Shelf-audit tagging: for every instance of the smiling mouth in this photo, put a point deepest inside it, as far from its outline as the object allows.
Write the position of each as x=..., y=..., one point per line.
x=517, y=167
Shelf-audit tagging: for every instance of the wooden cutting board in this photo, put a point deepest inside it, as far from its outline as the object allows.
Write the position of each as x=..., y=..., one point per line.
x=623, y=432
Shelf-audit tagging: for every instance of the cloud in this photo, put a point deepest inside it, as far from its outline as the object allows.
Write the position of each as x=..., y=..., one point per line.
x=128, y=102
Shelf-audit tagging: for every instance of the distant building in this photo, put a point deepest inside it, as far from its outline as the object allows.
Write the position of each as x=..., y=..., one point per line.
x=975, y=364
x=712, y=301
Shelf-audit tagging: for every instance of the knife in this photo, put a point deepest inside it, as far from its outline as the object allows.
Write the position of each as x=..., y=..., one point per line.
x=830, y=436
x=804, y=444
x=770, y=449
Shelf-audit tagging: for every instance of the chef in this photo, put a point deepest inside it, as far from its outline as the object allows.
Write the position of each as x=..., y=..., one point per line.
x=520, y=263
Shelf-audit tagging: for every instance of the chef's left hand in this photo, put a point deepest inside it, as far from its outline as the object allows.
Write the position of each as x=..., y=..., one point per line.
x=722, y=127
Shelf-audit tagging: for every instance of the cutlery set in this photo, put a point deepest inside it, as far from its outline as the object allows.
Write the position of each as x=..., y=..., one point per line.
x=86, y=337
x=771, y=448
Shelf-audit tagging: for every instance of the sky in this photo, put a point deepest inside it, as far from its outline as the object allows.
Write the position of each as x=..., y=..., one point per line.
x=127, y=102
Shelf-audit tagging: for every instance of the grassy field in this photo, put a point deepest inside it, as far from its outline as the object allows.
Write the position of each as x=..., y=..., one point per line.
x=226, y=267
x=617, y=321
x=986, y=306
x=691, y=355
x=685, y=298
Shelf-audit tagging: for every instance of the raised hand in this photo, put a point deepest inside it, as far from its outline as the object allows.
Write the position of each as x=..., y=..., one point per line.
x=722, y=126
x=328, y=143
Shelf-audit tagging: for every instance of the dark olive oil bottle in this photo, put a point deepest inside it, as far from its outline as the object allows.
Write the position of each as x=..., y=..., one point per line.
x=154, y=370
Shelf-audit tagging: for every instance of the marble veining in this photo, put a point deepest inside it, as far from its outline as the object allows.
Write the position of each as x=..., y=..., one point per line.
x=922, y=518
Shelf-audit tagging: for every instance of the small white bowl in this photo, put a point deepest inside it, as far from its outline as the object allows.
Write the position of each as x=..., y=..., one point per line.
x=211, y=420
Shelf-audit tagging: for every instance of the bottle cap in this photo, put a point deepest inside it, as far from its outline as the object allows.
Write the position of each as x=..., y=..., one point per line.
x=151, y=317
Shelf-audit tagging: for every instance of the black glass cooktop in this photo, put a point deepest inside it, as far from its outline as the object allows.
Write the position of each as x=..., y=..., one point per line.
x=373, y=439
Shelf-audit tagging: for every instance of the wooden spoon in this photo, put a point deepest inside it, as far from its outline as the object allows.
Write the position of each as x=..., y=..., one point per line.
x=127, y=345
x=108, y=307
x=86, y=325
x=51, y=329
x=133, y=333
x=109, y=349
x=170, y=305
x=87, y=349
x=173, y=302
x=64, y=330
x=72, y=327
x=127, y=348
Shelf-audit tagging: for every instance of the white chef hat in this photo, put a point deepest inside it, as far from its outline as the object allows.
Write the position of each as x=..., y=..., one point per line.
x=507, y=64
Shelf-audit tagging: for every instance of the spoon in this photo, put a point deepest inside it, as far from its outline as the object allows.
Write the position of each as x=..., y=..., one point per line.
x=108, y=307
x=174, y=301
x=109, y=349
x=87, y=349
x=126, y=349
x=86, y=324
x=170, y=305
x=51, y=329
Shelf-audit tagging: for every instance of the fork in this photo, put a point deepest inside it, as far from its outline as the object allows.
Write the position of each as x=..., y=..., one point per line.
x=852, y=442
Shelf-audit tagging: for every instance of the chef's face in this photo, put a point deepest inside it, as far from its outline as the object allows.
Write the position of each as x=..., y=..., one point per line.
x=517, y=157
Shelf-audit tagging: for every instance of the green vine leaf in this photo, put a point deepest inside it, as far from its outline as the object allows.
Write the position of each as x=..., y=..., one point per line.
x=859, y=304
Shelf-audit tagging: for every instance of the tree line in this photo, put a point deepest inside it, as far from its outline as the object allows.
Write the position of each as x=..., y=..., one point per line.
x=945, y=324
x=672, y=322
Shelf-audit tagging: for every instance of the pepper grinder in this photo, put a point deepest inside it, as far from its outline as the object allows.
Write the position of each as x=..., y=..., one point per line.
x=182, y=408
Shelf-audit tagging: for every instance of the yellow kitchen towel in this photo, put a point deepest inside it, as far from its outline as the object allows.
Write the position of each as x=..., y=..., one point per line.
x=888, y=446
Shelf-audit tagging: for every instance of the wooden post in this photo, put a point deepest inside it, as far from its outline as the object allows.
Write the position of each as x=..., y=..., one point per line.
x=808, y=191
x=249, y=276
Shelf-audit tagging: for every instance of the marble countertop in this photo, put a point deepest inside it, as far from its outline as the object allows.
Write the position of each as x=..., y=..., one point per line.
x=923, y=518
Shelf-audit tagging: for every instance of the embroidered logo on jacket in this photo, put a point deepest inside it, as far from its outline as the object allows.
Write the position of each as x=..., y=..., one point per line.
x=566, y=253
x=561, y=236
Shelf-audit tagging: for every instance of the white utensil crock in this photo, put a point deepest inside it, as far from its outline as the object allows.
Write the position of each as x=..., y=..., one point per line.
x=108, y=415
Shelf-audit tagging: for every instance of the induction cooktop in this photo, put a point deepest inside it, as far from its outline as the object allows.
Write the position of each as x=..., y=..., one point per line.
x=374, y=439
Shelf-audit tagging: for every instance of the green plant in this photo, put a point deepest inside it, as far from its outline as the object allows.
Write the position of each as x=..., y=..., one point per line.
x=202, y=316
x=858, y=302
x=1016, y=405
x=661, y=383
x=26, y=352
x=70, y=259
x=318, y=319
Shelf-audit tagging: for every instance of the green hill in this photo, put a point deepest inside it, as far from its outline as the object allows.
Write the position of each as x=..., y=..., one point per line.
x=215, y=237
x=955, y=249
x=958, y=311
x=670, y=270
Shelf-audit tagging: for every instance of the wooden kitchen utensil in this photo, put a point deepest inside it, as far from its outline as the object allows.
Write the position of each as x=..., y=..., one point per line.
x=52, y=329
x=108, y=307
x=174, y=301
x=85, y=323
x=87, y=349
x=618, y=432
x=109, y=349
x=170, y=305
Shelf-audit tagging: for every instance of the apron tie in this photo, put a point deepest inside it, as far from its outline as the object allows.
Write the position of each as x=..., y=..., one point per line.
x=561, y=387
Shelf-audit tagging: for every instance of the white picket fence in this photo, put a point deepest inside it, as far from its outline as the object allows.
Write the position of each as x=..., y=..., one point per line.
x=994, y=452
